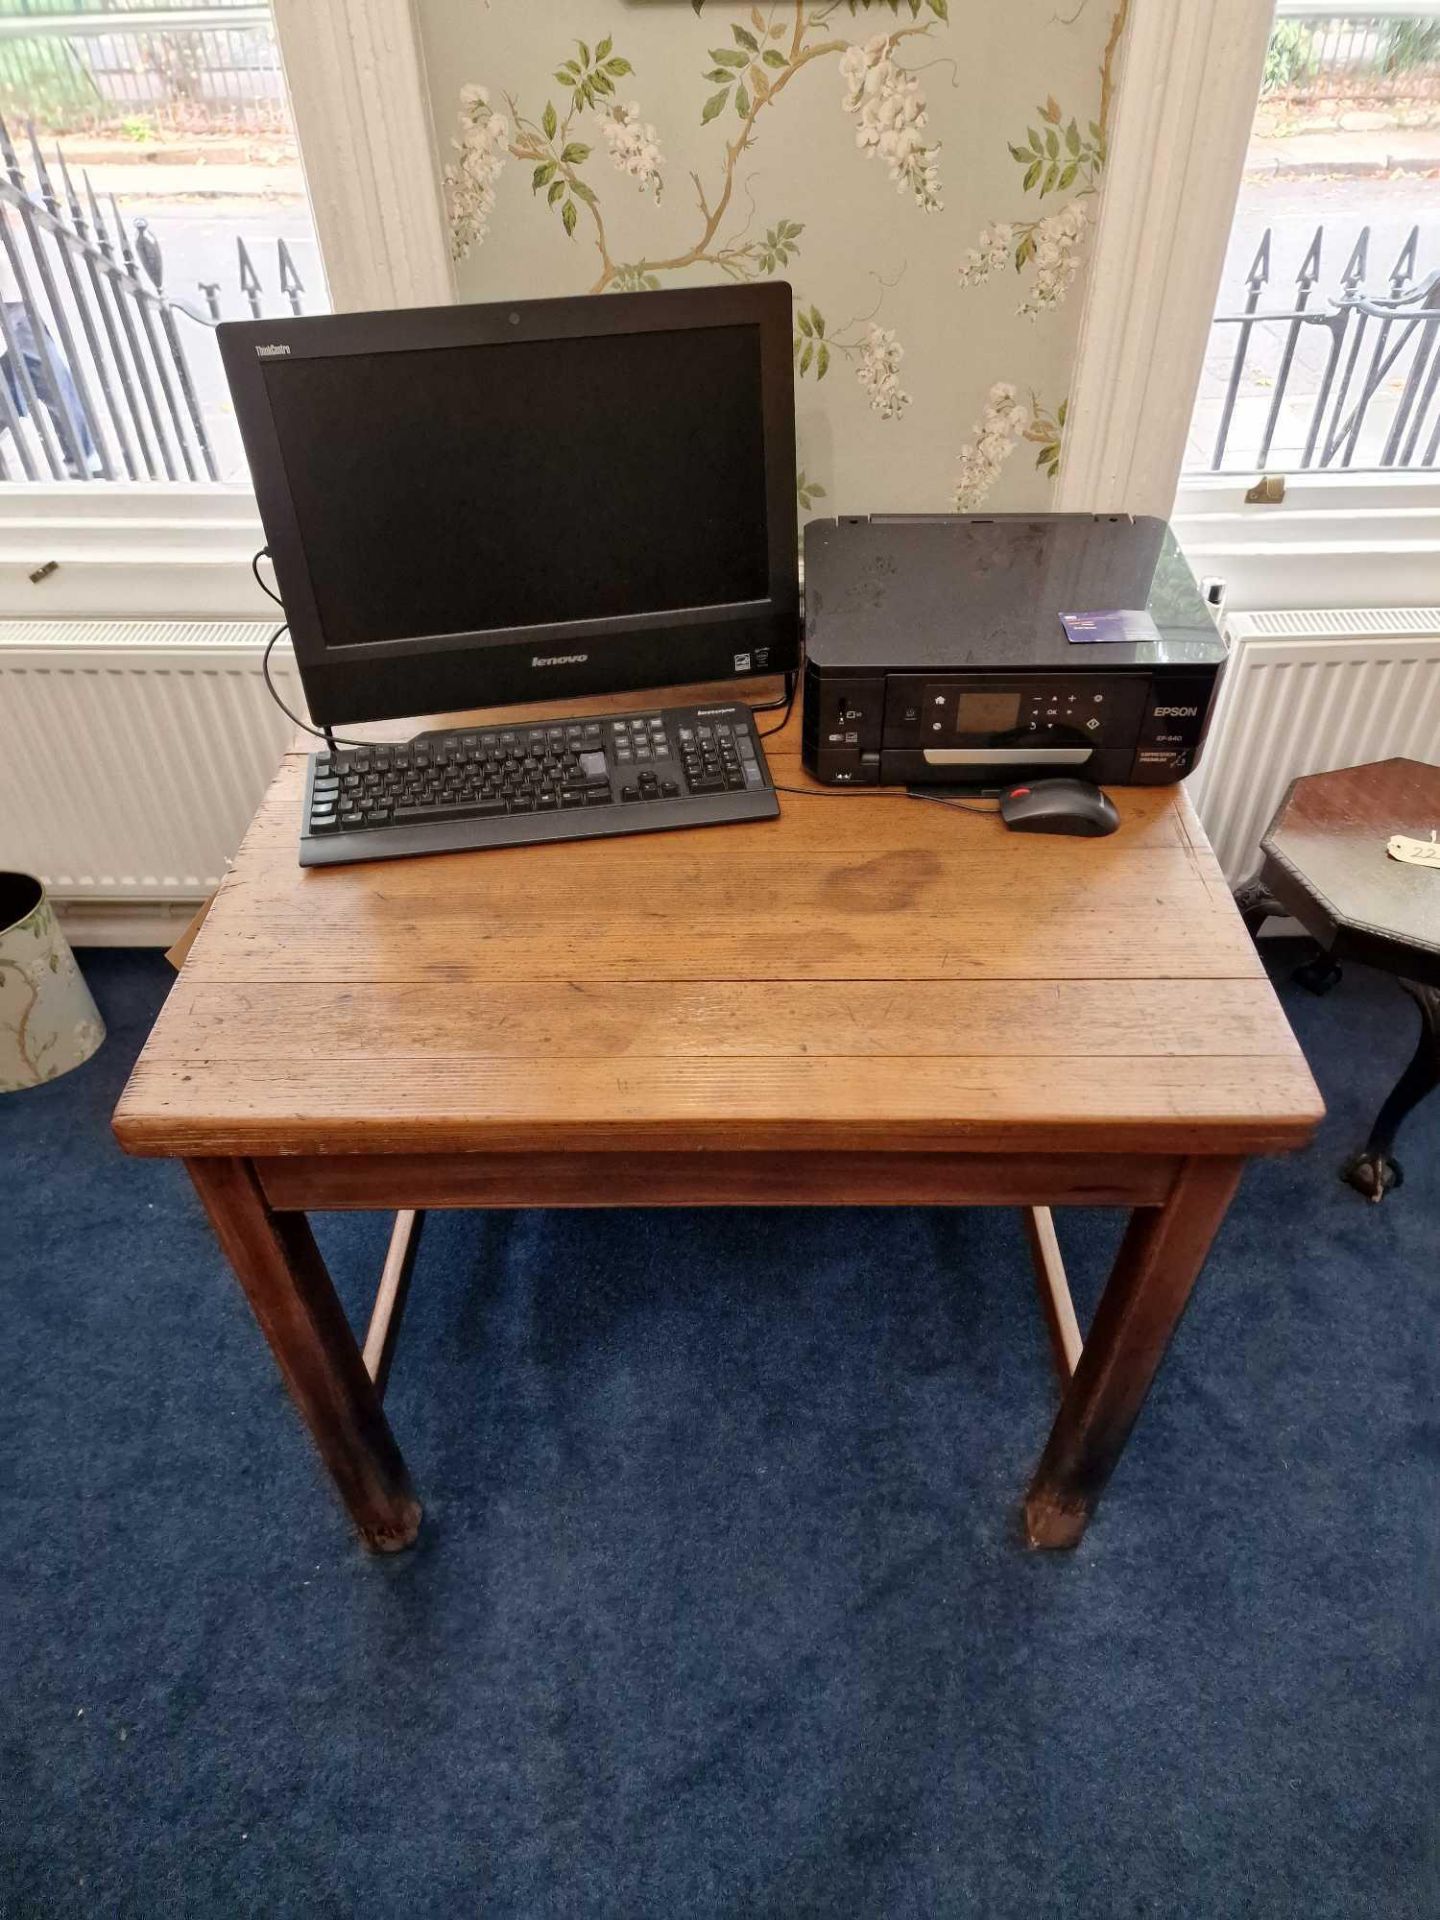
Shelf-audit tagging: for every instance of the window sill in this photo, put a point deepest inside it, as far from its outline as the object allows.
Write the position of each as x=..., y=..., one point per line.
x=1336, y=540
x=129, y=552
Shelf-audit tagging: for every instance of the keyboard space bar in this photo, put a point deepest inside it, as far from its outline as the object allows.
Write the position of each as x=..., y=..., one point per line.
x=475, y=810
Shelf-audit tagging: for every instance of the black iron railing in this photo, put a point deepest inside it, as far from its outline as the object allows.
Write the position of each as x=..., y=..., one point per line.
x=95, y=380
x=1317, y=380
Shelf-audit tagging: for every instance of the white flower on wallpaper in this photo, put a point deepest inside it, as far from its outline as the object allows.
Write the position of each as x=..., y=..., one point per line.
x=634, y=146
x=879, y=372
x=1057, y=241
x=481, y=150
x=990, y=256
x=892, y=114
x=1007, y=421
x=1050, y=244
x=1004, y=423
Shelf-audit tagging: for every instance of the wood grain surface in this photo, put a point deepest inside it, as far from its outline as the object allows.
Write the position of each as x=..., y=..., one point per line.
x=866, y=972
x=1326, y=862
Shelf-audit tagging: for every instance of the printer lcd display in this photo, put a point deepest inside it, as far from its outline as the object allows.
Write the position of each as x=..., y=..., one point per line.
x=992, y=711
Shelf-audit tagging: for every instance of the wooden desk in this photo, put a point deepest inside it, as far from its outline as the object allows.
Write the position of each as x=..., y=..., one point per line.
x=867, y=1001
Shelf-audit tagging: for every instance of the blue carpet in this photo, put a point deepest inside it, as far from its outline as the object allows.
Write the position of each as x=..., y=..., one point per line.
x=720, y=1606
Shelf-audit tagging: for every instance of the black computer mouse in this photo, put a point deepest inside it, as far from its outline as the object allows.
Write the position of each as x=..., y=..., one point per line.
x=1058, y=806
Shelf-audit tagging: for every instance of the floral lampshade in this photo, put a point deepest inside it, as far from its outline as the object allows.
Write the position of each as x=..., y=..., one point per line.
x=48, y=1022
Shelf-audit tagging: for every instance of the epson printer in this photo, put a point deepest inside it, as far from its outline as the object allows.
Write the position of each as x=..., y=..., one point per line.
x=936, y=652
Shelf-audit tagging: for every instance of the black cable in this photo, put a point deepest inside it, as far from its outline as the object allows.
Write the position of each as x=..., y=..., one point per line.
x=882, y=793
x=784, y=720
x=332, y=740
x=786, y=699
x=263, y=553
x=963, y=806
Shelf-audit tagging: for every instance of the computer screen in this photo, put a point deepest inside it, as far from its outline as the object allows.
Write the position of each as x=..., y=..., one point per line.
x=545, y=497
x=526, y=483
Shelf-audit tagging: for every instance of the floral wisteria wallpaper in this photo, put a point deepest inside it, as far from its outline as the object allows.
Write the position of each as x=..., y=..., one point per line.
x=924, y=173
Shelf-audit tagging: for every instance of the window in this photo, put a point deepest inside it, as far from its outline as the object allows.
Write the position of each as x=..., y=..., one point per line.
x=1324, y=353
x=153, y=187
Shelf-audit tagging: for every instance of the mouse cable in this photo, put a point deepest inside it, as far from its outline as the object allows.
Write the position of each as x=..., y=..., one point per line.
x=869, y=793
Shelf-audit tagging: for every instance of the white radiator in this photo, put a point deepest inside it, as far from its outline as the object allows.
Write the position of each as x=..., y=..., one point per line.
x=133, y=753
x=1305, y=692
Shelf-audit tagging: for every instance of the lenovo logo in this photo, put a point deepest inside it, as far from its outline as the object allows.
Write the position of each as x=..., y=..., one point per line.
x=276, y=352
x=1176, y=713
x=558, y=659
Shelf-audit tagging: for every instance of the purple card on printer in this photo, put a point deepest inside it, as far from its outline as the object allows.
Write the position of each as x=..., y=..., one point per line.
x=1131, y=624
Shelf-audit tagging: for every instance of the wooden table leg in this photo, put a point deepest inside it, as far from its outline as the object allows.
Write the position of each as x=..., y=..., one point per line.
x=1162, y=1253
x=280, y=1267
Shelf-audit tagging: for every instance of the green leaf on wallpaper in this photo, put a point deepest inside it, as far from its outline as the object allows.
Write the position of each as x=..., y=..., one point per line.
x=569, y=216
x=1072, y=138
x=715, y=104
x=584, y=53
x=601, y=82
x=822, y=362
x=806, y=358
x=817, y=320
x=557, y=192
x=568, y=74
x=550, y=121
x=606, y=46
x=744, y=38
x=1068, y=176
x=1032, y=174
x=1037, y=145
x=575, y=153
x=729, y=57
x=1022, y=154
x=719, y=73
x=1052, y=143
x=1095, y=133
x=805, y=323
x=940, y=9
x=618, y=67
x=582, y=192
x=773, y=57
x=542, y=176
x=1060, y=412
x=697, y=4
x=742, y=100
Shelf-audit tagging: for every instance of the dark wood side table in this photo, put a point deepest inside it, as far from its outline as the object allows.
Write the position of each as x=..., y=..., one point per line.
x=1325, y=862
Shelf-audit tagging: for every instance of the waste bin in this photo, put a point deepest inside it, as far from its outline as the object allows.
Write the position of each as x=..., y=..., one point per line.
x=48, y=1022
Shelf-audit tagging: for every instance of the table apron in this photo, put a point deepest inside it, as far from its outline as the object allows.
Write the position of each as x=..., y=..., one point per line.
x=341, y=1182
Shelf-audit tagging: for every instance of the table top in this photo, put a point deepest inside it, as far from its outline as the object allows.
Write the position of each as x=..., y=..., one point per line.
x=1330, y=837
x=867, y=972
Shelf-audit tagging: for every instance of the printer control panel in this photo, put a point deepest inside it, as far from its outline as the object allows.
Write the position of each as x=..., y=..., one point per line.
x=1107, y=724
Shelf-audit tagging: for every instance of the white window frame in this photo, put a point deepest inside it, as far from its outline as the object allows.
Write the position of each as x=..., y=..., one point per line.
x=1184, y=111
x=356, y=75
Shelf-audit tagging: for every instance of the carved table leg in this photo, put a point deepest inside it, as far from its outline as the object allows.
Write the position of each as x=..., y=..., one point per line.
x=278, y=1264
x=1162, y=1253
x=1374, y=1171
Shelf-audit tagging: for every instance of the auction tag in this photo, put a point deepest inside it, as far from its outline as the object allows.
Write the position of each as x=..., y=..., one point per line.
x=1129, y=624
x=1415, y=853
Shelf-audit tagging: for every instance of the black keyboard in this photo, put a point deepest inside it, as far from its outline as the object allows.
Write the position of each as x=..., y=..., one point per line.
x=541, y=780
